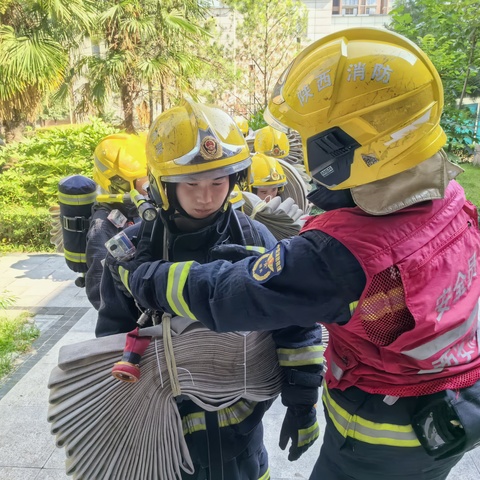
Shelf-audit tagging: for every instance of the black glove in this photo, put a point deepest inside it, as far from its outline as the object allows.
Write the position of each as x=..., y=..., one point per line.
x=299, y=425
x=234, y=253
x=121, y=270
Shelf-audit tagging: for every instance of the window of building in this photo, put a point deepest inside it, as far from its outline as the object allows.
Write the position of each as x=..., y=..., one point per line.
x=358, y=7
x=336, y=7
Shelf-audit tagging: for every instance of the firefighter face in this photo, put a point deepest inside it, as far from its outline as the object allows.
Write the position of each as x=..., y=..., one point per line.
x=267, y=193
x=202, y=198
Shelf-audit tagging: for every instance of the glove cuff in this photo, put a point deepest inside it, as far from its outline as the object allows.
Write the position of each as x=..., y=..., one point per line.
x=306, y=379
x=298, y=396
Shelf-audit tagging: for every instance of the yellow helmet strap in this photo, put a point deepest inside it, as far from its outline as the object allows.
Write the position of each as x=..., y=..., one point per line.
x=330, y=156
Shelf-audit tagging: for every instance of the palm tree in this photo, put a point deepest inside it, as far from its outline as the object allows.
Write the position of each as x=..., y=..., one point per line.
x=146, y=43
x=35, y=39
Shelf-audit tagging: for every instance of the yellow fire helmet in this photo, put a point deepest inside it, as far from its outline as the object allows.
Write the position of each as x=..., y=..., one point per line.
x=267, y=172
x=119, y=160
x=367, y=104
x=242, y=124
x=272, y=142
x=194, y=142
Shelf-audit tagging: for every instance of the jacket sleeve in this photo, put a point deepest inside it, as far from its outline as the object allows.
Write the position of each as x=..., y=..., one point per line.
x=301, y=281
x=101, y=230
x=300, y=353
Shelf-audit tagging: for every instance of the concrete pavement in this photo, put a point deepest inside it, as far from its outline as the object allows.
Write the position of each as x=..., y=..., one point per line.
x=43, y=285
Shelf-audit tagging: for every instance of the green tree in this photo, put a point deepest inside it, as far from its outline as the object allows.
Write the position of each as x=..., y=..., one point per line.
x=36, y=37
x=147, y=44
x=449, y=33
x=268, y=35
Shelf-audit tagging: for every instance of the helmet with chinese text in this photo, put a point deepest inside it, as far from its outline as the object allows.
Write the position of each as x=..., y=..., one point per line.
x=367, y=104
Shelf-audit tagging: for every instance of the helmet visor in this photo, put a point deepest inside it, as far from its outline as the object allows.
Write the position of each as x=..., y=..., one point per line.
x=224, y=171
x=273, y=122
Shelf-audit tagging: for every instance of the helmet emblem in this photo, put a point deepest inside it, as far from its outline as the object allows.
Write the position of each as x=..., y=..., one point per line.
x=274, y=175
x=276, y=151
x=210, y=149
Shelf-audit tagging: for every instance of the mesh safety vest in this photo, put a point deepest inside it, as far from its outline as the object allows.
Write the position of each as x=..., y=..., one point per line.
x=414, y=330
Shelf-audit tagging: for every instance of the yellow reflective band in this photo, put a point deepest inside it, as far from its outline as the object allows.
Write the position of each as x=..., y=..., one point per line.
x=266, y=475
x=295, y=357
x=233, y=415
x=308, y=435
x=353, y=306
x=177, y=277
x=366, y=431
x=75, y=257
x=84, y=199
x=256, y=249
x=236, y=413
x=193, y=422
x=124, y=277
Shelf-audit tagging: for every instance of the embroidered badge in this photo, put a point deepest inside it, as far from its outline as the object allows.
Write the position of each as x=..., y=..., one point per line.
x=210, y=149
x=269, y=265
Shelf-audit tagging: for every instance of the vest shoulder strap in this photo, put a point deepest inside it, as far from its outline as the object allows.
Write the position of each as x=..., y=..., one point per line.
x=250, y=233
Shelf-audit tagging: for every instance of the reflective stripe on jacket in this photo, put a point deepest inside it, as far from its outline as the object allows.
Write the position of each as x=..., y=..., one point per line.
x=359, y=428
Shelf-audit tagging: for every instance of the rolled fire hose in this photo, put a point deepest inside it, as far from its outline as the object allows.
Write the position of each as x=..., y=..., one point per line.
x=284, y=218
x=297, y=186
x=116, y=430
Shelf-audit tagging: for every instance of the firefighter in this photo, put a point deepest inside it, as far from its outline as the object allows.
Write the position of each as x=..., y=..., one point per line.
x=390, y=269
x=120, y=165
x=192, y=180
x=269, y=178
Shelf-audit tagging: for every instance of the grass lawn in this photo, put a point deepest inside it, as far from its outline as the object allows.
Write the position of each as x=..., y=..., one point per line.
x=470, y=181
x=17, y=332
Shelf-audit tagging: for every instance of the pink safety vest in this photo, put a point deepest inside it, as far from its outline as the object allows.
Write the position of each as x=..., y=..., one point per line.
x=414, y=329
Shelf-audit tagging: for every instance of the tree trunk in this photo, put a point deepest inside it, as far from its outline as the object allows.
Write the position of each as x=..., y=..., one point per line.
x=470, y=63
x=150, y=103
x=127, y=105
x=14, y=128
x=162, y=96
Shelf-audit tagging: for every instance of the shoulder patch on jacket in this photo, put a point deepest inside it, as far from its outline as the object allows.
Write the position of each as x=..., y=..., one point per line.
x=269, y=264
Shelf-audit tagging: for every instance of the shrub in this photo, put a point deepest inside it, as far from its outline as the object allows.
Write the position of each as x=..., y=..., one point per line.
x=29, y=174
x=25, y=228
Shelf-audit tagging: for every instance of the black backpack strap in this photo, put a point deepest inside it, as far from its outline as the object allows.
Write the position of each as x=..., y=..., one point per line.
x=250, y=233
x=153, y=231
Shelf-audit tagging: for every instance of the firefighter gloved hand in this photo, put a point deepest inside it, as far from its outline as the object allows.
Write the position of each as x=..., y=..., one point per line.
x=121, y=269
x=301, y=427
x=233, y=253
